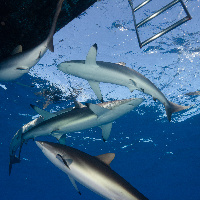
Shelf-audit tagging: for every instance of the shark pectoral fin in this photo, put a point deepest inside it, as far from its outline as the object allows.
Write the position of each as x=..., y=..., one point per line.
x=46, y=115
x=132, y=85
x=97, y=110
x=106, y=129
x=106, y=158
x=18, y=49
x=91, y=57
x=50, y=45
x=66, y=162
x=22, y=68
x=95, y=87
x=74, y=184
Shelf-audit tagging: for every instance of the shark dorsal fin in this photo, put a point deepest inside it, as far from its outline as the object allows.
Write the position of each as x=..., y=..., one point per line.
x=91, y=57
x=18, y=49
x=98, y=110
x=46, y=115
x=106, y=158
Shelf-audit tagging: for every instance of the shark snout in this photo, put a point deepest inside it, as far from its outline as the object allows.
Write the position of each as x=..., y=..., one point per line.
x=59, y=67
x=40, y=144
x=45, y=146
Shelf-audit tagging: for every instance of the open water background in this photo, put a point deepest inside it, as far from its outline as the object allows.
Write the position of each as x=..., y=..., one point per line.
x=159, y=158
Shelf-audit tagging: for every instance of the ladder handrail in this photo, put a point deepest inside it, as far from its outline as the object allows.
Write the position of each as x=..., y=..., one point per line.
x=141, y=5
x=141, y=44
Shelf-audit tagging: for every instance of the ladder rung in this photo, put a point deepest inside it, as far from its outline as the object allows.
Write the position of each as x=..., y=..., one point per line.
x=157, y=13
x=141, y=5
x=164, y=31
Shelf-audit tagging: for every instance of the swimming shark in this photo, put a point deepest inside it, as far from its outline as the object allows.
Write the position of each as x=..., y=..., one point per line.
x=93, y=172
x=20, y=63
x=98, y=71
x=71, y=120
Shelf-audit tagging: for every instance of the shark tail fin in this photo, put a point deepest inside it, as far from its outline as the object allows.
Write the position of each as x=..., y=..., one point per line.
x=172, y=107
x=13, y=160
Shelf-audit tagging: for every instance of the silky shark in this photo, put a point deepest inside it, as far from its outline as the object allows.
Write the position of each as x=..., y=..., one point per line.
x=98, y=71
x=71, y=120
x=20, y=63
x=93, y=172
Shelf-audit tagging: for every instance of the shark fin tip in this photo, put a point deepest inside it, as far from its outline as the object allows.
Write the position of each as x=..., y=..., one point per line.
x=95, y=45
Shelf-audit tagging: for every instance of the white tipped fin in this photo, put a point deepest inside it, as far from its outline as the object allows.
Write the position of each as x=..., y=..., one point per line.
x=106, y=129
x=74, y=184
x=46, y=115
x=91, y=57
x=95, y=87
x=106, y=158
x=98, y=110
x=18, y=49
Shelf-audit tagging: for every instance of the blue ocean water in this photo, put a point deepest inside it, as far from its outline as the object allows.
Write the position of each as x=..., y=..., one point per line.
x=159, y=158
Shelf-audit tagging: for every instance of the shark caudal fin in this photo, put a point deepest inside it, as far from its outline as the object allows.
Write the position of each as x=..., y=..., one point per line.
x=172, y=107
x=13, y=160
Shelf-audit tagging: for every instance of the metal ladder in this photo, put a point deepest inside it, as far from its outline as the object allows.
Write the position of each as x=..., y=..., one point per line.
x=137, y=25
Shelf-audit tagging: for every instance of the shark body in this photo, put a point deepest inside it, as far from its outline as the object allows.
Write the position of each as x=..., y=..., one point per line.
x=17, y=65
x=98, y=71
x=71, y=120
x=92, y=172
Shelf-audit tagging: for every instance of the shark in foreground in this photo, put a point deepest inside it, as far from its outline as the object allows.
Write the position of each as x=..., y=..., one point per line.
x=98, y=71
x=92, y=172
x=20, y=63
x=71, y=120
